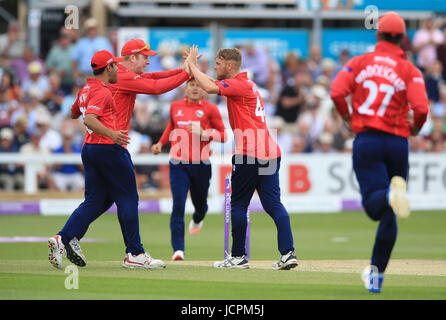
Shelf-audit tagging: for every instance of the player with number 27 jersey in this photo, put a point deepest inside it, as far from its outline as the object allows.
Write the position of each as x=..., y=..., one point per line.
x=384, y=87
x=247, y=118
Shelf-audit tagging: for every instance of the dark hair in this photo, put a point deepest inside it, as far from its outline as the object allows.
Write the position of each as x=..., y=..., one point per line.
x=395, y=39
x=99, y=71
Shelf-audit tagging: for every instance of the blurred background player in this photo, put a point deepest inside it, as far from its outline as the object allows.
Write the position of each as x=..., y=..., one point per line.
x=383, y=85
x=256, y=161
x=190, y=131
x=109, y=172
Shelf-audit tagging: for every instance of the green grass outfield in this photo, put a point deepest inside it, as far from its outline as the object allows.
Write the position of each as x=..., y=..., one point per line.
x=332, y=250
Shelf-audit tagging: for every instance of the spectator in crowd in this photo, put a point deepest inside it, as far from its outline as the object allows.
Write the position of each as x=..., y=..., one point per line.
x=255, y=59
x=10, y=176
x=268, y=102
x=274, y=81
x=136, y=140
x=70, y=98
x=313, y=119
x=86, y=47
x=50, y=139
x=284, y=139
x=437, y=139
x=344, y=56
x=433, y=80
x=77, y=127
x=10, y=84
x=299, y=144
x=37, y=84
x=68, y=177
x=327, y=69
x=292, y=99
x=33, y=148
x=406, y=46
x=325, y=103
x=12, y=43
x=324, y=143
x=290, y=68
x=53, y=98
x=20, y=65
x=314, y=62
x=441, y=51
x=59, y=60
x=337, y=127
x=304, y=132
x=425, y=43
x=439, y=108
x=7, y=108
x=28, y=108
x=21, y=135
x=417, y=144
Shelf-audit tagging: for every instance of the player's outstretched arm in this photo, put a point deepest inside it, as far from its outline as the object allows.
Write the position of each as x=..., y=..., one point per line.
x=162, y=74
x=204, y=81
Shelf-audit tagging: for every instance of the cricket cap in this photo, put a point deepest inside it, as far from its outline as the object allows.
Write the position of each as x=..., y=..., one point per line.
x=102, y=59
x=392, y=23
x=135, y=46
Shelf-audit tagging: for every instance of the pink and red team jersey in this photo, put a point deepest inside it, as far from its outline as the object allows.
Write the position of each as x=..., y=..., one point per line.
x=184, y=145
x=384, y=87
x=95, y=97
x=247, y=118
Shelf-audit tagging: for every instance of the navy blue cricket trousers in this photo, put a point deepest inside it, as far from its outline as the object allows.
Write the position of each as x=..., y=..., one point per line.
x=377, y=157
x=109, y=178
x=250, y=174
x=184, y=177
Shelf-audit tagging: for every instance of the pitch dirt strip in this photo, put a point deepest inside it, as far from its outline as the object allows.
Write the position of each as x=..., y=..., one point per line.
x=400, y=266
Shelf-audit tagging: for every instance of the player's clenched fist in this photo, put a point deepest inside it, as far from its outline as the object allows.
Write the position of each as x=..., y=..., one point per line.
x=156, y=148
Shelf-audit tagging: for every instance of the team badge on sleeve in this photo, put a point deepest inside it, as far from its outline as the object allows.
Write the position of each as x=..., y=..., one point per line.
x=224, y=84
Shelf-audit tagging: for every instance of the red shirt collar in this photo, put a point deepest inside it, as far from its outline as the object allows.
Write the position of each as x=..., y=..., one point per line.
x=96, y=82
x=242, y=76
x=122, y=68
x=388, y=47
x=186, y=100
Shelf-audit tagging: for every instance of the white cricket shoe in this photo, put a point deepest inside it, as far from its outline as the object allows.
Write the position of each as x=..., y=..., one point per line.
x=178, y=255
x=143, y=261
x=373, y=280
x=56, y=250
x=398, y=200
x=74, y=253
x=233, y=263
x=286, y=261
x=195, y=227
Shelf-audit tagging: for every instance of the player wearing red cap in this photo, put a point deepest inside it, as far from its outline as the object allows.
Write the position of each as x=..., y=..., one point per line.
x=109, y=173
x=190, y=131
x=256, y=161
x=384, y=87
x=132, y=80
